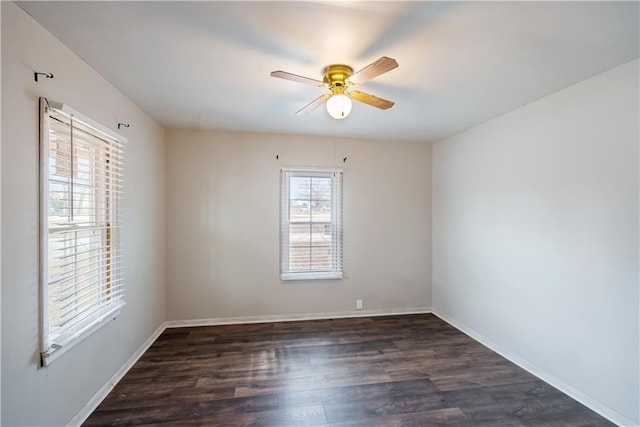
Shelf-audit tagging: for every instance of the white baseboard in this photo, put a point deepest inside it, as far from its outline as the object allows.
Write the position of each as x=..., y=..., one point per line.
x=93, y=403
x=294, y=317
x=581, y=397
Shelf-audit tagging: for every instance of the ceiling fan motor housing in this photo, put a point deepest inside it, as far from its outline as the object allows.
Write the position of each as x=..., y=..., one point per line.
x=335, y=76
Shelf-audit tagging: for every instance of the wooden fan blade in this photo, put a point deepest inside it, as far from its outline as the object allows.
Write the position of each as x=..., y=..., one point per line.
x=296, y=78
x=372, y=100
x=373, y=70
x=307, y=109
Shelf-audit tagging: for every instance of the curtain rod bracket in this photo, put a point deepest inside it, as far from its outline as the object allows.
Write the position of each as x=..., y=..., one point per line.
x=47, y=75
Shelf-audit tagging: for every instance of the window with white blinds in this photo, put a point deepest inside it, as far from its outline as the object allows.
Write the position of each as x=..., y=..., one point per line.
x=80, y=255
x=311, y=224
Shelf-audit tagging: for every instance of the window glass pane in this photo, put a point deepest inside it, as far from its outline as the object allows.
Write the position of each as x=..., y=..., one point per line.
x=300, y=235
x=59, y=149
x=321, y=211
x=320, y=236
x=299, y=211
x=300, y=188
x=58, y=202
x=321, y=258
x=84, y=205
x=299, y=259
x=89, y=178
x=321, y=188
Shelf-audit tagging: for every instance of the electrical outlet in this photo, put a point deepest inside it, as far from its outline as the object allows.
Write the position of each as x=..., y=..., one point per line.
x=358, y=304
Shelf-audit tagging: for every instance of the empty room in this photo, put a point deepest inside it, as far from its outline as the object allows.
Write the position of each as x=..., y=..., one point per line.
x=340, y=213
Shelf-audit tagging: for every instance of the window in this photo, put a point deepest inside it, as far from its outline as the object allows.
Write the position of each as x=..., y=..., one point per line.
x=311, y=224
x=80, y=260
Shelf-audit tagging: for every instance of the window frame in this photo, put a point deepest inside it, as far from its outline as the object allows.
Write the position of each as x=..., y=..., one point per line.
x=105, y=191
x=336, y=248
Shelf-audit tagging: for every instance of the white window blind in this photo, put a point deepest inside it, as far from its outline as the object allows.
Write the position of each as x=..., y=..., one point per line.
x=311, y=224
x=80, y=252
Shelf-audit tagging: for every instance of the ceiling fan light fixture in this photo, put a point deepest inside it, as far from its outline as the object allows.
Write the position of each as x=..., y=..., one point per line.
x=339, y=106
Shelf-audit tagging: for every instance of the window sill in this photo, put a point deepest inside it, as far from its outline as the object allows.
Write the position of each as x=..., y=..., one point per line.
x=320, y=275
x=58, y=350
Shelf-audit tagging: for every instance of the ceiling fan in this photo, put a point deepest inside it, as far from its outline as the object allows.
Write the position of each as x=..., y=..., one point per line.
x=339, y=78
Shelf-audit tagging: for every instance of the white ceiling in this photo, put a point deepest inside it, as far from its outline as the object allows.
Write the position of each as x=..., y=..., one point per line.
x=206, y=65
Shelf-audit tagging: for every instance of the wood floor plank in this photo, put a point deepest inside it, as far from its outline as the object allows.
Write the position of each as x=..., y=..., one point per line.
x=437, y=417
x=411, y=370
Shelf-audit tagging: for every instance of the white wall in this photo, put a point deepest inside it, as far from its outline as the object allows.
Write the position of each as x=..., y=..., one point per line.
x=52, y=396
x=535, y=237
x=222, y=200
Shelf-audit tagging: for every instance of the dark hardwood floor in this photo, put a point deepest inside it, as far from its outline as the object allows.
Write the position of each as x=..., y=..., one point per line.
x=413, y=370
